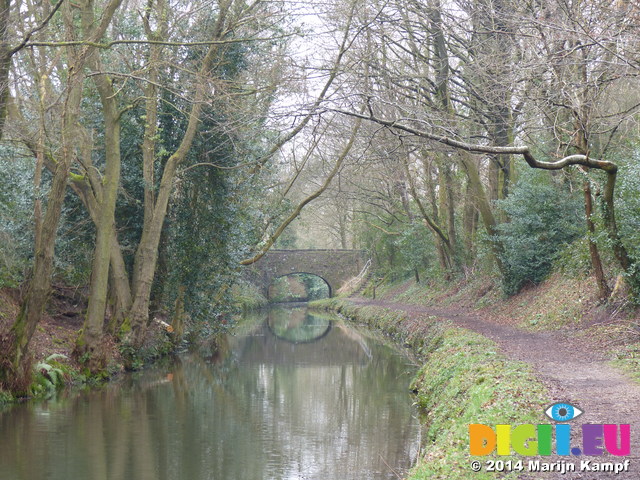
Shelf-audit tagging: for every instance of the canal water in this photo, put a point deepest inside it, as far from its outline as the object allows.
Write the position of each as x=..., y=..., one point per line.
x=290, y=395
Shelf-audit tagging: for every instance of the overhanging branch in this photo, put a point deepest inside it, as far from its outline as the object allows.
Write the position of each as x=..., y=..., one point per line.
x=584, y=160
x=108, y=45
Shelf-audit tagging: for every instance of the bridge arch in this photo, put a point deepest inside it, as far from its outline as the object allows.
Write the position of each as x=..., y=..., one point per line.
x=274, y=282
x=334, y=266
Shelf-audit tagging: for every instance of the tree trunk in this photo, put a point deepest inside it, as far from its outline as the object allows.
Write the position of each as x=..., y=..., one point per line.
x=14, y=358
x=149, y=140
x=484, y=207
x=177, y=323
x=596, y=262
x=469, y=221
x=120, y=285
x=435, y=212
x=445, y=251
x=5, y=61
x=582, y=145
x=609, y=213
x=447, y=203
x=91, y=338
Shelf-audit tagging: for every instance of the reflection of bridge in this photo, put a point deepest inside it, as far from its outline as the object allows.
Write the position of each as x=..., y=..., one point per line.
x=340, y=346
x=297, y=325
x=335, y=267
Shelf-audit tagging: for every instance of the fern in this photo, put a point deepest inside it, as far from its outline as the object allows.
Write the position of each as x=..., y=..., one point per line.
x=49, y=376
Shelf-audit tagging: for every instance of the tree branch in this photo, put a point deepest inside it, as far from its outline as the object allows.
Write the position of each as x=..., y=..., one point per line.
x=36, y=29
x=108, y=45
x=336, y=168
x=584, y=160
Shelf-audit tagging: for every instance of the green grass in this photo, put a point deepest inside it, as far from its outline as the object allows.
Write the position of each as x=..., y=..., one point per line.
x=466, y=381
x=625, y=355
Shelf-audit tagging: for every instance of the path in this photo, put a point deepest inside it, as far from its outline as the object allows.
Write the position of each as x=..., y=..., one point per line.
x=571, y=371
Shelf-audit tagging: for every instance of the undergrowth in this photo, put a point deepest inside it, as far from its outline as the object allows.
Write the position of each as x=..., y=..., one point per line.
x=50, y=375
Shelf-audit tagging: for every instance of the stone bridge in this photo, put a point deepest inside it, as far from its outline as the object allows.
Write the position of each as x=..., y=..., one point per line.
x=335, y=267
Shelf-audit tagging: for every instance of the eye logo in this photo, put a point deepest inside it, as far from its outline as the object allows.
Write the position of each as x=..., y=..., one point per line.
x=563, y=412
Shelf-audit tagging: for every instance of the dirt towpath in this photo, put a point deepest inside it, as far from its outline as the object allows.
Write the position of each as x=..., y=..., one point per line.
x=571, y=370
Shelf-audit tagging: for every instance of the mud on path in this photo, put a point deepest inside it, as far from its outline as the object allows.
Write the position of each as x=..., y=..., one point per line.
x=572, y=371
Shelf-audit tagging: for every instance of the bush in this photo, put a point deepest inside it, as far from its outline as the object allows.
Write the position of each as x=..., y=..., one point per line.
x=17, y=199
x=628, y=213
x=543, y=219
x=628, y=206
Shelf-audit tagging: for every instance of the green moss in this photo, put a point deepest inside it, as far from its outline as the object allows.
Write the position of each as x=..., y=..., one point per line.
x=76, y=177
x=125, y=328
x=466, y=381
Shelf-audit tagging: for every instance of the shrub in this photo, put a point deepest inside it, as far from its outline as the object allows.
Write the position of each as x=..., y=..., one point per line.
x=628, y=213
x=542, y=219
x=49, y=376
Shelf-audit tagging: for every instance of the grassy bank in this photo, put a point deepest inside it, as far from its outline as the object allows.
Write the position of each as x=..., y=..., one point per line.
x=463, y=380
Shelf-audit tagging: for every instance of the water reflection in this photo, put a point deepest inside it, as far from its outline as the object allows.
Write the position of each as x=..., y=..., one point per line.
x=297, y=325
x=265, y=408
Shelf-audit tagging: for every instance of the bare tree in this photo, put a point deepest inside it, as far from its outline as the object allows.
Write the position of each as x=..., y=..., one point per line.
x=481, y=77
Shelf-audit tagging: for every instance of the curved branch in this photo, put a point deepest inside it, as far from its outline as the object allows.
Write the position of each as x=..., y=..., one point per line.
x=336, y=168
x=382, y=229
x=578, y=159
x=524, y=150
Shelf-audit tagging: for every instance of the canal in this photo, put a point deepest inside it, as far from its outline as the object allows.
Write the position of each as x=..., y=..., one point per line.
x=290, y=395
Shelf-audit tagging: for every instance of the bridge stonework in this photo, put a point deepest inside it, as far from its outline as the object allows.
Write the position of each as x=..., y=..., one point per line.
x=334, y=266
